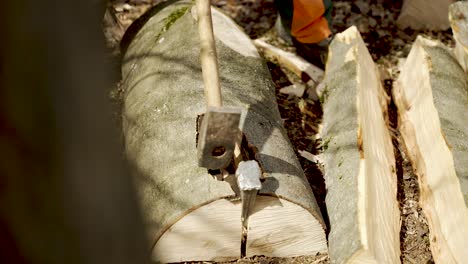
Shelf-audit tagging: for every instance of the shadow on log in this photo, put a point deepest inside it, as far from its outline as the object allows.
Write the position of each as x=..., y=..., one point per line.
x=432, y=99
x=189, y=213
x=359, y=162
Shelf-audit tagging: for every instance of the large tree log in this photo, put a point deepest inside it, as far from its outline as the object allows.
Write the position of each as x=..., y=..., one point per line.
x=432, y=99
x=358, y=157
x=190, y=214
x=422, y=14
x=458, y=16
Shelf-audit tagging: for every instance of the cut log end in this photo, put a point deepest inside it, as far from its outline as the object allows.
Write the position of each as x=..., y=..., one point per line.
x=277, y=228
x=432, y=100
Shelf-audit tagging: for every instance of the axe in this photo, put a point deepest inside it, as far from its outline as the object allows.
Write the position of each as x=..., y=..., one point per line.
x=219, y=132
x=219, y=136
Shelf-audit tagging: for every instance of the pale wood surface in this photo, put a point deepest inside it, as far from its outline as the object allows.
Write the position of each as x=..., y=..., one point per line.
x=163, y=94
x=458, y=16
x=422, y=14
x=358, y=155
x=277, y=228
x=432, y=99
x=209, y=233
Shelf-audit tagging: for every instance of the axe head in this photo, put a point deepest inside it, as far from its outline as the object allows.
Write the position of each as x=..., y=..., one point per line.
x=217, y=137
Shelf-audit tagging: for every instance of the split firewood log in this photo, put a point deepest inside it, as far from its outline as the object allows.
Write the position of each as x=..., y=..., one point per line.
x=432, y=99
x=359, y=162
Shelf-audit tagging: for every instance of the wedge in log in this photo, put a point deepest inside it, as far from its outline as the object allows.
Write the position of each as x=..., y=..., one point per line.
x=458, y=16
x=422, y=14
x=358, y=156
x=190, y=215
x=432, y=99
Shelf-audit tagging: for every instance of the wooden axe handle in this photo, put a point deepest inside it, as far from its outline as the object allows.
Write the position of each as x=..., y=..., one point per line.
x=208, y=57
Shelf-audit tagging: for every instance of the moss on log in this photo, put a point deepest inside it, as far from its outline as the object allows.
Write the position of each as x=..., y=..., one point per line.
x=432, y=99
x=358, y=156
x=190, y=214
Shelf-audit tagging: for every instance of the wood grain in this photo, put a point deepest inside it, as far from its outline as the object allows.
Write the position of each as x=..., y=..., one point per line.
x=432, y=99
x=358, y=156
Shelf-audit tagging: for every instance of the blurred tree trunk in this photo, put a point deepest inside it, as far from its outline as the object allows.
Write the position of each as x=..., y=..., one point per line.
x=65, y=196
x=421, y=14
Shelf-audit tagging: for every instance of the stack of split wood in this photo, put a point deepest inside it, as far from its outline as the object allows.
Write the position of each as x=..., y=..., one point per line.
x=431, y=95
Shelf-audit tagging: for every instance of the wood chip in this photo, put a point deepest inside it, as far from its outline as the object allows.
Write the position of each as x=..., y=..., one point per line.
x=294, y=90
x=291, y=61
x=309, y=156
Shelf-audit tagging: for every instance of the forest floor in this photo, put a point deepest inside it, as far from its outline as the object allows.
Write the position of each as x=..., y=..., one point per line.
x=388, y=44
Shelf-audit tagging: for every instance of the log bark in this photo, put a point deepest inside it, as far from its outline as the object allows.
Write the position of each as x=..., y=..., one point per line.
x=421, y=14
x=358, y=157
x=432, y=99
x=190, y=214
x=458, y=16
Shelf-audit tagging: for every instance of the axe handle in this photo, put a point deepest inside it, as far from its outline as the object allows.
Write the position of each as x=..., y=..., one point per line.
x=208, y=57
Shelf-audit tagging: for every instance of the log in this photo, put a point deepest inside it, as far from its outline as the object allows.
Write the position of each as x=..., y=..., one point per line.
x=422, y=14
x=432, y=99
x=190, y=214
x=458, y=16
x=358, y=157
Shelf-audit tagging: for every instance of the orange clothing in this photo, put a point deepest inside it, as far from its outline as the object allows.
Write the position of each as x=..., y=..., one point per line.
x=309, y=24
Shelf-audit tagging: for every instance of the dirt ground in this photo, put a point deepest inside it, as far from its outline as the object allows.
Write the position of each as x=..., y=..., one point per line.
x=388, y=45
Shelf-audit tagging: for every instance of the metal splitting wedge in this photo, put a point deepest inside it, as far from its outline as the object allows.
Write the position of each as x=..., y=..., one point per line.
x=248, y=179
